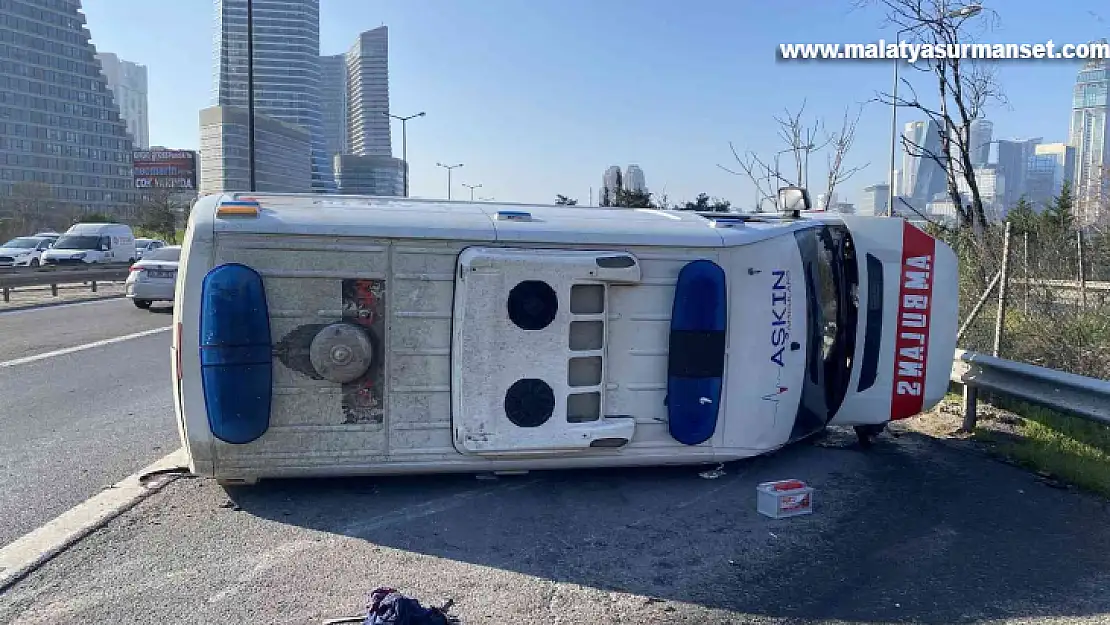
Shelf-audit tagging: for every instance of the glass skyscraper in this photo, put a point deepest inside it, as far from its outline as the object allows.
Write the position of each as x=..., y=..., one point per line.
x=59, y=125
x=1088, y=136
x=286, y=68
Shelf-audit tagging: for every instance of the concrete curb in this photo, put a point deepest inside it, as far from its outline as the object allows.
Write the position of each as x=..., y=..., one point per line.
x=35, y=548
x=53, y=304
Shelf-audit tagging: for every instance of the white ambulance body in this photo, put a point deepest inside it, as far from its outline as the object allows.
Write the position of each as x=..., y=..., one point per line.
x=332, y=335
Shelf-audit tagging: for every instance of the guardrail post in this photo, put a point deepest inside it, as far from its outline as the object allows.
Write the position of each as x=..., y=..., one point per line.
x=971, y=405
x=54, y=289
x=7, y=295
x=93, y=286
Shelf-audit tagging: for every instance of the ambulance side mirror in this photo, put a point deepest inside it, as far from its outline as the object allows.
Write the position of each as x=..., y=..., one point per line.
x=793, y=199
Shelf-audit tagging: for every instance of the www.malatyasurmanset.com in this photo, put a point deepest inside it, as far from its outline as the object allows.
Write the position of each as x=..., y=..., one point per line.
x=912, y=52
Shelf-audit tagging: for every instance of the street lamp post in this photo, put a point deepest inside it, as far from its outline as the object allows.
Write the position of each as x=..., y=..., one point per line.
x=449, y=168
x=405, y=143
x=472, y=187
x=970, y=10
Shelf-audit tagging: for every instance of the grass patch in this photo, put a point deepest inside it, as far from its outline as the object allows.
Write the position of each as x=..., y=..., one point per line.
x=1070, y=449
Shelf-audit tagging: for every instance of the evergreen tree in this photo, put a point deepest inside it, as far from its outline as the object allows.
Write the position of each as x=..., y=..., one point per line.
x=1023, y=217
x=1059, y=215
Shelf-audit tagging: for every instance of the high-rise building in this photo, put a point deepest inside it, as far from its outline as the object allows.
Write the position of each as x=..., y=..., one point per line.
x=979, y=144
x=922, y=176
x=1050, y=166
x=1088, y=136
x=286, y=68
x=874, y=200
x=634, y=179
x=128, y=82
x=610, y=182
x=369, y=174
x=992, y=183
x=368, y=123
x=283, y=155
x=1012, y=161
x=61, y=126
x=333, y=102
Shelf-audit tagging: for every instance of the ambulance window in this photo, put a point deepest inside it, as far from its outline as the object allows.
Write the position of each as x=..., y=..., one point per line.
x=873, y=330
x=832, y=278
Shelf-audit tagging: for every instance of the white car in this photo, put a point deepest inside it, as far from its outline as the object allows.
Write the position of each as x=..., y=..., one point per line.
x=152, y=279
x=145, y=246
x=24, y=251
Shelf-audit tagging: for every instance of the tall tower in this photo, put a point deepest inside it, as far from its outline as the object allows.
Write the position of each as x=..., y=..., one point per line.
x=62, y=128
x=368, y=94
x=634, y=178
x=610, y=182
x=922, y=176
x=1088, y=136
x=128, y=82
x=286, y=68
x=979, y=143
x=333, y=102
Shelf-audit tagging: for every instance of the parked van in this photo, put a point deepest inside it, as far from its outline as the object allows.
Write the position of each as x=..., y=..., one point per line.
x=93, y=243
x=331, y=335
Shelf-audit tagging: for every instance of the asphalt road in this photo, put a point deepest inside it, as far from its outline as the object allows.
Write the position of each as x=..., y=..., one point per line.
x=74, y=423
x=40, y=330
x=911, y=531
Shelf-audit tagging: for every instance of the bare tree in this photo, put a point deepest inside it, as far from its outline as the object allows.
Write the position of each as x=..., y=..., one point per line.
x=803, y=140
x=160, y=210
x=964, y=89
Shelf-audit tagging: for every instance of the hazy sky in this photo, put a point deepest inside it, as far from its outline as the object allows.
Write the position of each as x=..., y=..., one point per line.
x=538, y=97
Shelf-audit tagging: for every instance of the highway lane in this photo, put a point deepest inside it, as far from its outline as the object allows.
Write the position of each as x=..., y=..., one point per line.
x=39, y=330
x=74, y=423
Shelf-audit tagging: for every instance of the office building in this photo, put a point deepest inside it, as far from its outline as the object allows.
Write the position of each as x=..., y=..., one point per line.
x=333, y=102
x=283, y=155
x=634, y=179
x=128, y=83
x=992, y=183
x=979, y=144
x=59, y=124
x=1011, y=158
x=368, y=123
x=874, y=200
x=369, y=174
x=922, y=176
x=825, y=201
x=1087, y=135
x=287, y=69
x=610, y=182
x=1050, y=166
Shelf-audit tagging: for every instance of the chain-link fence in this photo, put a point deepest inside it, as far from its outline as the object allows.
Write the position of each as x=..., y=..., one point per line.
x=1054, y=294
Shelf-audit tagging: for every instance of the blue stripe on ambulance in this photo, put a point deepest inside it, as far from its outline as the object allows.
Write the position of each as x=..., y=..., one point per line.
x=696, y=360
x=235, y=353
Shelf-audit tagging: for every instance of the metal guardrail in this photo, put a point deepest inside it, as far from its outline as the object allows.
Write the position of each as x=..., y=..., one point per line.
x=1083, y=397
x=18, y=277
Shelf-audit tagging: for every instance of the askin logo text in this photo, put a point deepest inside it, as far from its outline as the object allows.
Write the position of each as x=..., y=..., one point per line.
x=780, y=325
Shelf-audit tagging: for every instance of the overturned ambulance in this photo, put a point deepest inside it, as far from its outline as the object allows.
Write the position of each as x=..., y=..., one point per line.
x=332, y=335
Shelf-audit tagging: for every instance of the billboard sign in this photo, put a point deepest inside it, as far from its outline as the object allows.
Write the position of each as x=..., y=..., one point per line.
x=165, y=169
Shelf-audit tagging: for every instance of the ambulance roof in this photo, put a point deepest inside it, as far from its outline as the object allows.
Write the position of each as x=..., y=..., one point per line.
x=339, y=215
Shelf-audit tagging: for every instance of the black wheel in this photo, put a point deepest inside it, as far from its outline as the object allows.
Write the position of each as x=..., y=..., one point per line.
x=867, y=433
x=34, y=262
x=141, y=303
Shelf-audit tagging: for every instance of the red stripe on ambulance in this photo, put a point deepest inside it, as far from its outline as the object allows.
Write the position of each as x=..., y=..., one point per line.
x=911, y=344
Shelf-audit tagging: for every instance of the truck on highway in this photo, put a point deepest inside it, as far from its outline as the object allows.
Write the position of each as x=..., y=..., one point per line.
x=321, y=335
